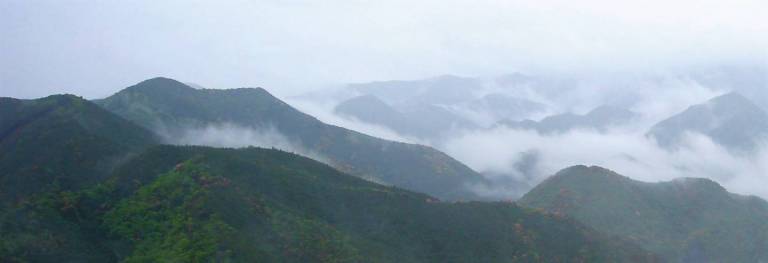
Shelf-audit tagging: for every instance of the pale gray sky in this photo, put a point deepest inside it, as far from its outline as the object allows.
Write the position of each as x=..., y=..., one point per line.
x=94, y=48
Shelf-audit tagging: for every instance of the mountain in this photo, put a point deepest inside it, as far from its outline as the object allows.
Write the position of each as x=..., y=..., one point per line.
x=50, y=147
x=436, y=121
x=600, y=119
x=443, y=90
x=684, y=220
x=454, y=102
x=750, y=80
x=81, y=184
x=497, y=106
x=172, y=108
x=730, y=120
x=370, y=109
x=199, y=204
x=60, y=141
x=424, y=121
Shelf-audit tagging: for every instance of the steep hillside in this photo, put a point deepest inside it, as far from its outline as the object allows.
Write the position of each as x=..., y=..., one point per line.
x=170, y=107
x=685, y=220
x=197, y=204
x=49, y=147
x=60, y=141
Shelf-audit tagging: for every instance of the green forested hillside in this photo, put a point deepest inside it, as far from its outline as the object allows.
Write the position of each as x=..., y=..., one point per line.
x=193, y=204
x=48, y=148
x=685, y=220
x=60, y=142
x=83, y=185
x=170, y=108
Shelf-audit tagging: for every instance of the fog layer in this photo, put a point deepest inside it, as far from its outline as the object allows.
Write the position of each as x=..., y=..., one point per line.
x=517, y=159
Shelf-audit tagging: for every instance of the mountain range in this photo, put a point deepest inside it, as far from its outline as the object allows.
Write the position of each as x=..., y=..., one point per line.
x=172, y=108
x=96, y=181
x=435, y=108
x=423, y=121
x=598, y=119
x=91, y=186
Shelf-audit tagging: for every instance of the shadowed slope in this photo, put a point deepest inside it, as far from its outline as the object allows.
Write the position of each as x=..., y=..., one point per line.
x=685, y=220
x=171, y=107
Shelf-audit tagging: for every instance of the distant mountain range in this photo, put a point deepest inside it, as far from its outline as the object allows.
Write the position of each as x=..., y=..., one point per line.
x=498, y=106
x=730, y=120
x=599, y=119
x=435, y=108
x=442, y=90
x=421, y=121
x=685, y=220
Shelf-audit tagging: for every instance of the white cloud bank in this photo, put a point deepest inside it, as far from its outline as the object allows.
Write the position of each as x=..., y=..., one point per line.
x=227, y=135
x=497, y=152
x=631, y=154
x=289, y=46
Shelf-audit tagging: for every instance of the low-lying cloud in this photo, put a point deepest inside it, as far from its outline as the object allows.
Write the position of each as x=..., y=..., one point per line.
x=516, y=160
x=323, y=111
x=227, y=135
x=630, y=154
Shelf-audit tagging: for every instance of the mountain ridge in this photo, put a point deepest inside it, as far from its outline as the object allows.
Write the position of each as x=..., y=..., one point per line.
x=730, y=120
x=195, y=204
x=79, y=137
x=174, y=110
x=600, y=119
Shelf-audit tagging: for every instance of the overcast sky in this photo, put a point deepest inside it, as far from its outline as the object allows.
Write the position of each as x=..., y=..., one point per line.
x=94, y=48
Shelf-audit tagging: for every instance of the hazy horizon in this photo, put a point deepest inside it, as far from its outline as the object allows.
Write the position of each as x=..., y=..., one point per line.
x=653, y=58
x=384, y=131
x=293, y=47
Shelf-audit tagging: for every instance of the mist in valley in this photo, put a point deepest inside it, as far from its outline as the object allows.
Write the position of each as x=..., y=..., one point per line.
x=516, y=158
x=388, y=131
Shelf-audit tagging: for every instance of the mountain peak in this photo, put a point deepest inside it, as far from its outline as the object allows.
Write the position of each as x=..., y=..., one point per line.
x=731, y=97
x=608, y=114
x=733, y=102
x=730, y=120
x=62, y=98
x=173, y=113
x=582, y=176
x=162, y=80
x=698, y=184
x=664, y=217
x=367, y=108
x=161, y=88
x=158, y=83
x=589, y=171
